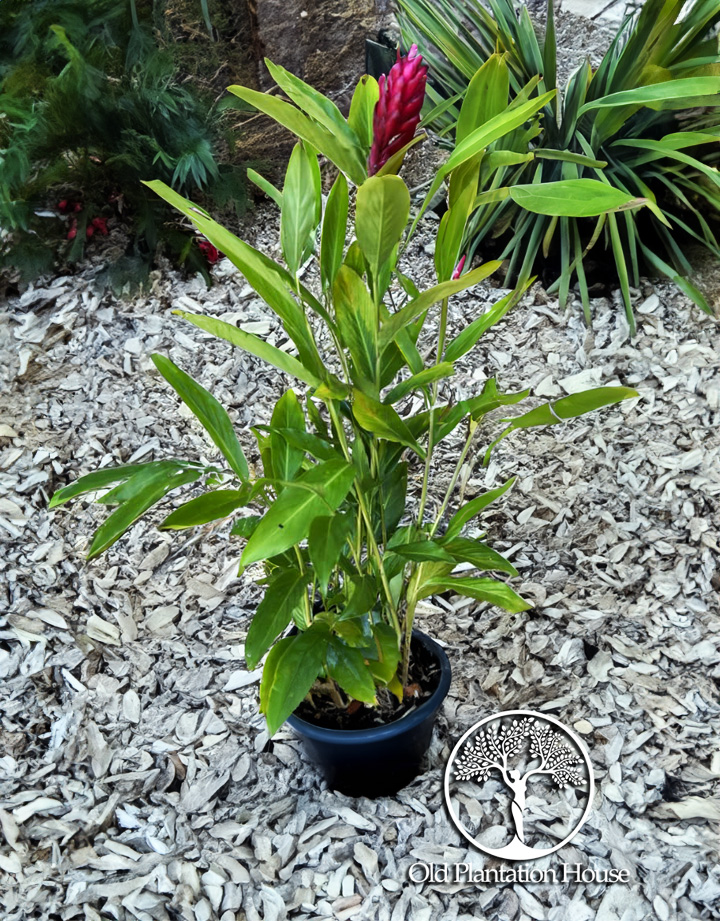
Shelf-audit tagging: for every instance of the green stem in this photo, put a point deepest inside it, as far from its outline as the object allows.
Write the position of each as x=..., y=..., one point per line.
x=453, y=481
x=433, y=401
x=372, y=543
x=308, y=611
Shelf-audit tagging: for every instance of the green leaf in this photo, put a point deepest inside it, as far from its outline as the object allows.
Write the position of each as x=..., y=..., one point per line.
x=308, y=443
x=316, y=492
x=422, y=379
x=209, y=507
x=473, y=508
x=245, y=527
x=271, y=281
x=135, y=496
x=491, y=590
x=398, y=321
x=383, y=421
x=283, y=598
x=394, y=493
x=357, y=320
x=312, y=102
x=362, y=107
x=334, y=229
x=286, y=458
x=347, y=157
x=99, y=479
x=572, y=198
x=253, y=344
x=479, y=555
x=381, y=213
x=326, y=539
x=669, y=91
x=347, y=666
x=422, y=551
x=363, y=596
x=486, y=96
x=265, y=186
x=212, y=416
x=386, y=651
x=452, y=231
x=290, y=671
x=301, y=207
x=577, y=404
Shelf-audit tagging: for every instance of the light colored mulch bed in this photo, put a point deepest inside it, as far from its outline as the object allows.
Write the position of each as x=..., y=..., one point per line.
x=136, y=778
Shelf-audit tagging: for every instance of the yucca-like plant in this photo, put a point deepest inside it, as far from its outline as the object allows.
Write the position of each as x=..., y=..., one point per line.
x=623, y=122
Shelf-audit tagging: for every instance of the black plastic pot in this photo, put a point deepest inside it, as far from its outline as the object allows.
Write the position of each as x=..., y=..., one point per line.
x=381, y=760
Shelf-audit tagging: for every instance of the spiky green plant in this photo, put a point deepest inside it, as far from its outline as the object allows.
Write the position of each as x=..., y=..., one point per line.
x=626, y=116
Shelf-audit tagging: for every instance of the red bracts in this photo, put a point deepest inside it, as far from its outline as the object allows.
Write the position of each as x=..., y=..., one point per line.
x=397, y=112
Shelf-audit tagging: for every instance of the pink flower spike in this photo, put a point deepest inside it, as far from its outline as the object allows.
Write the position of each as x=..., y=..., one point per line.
x=458, y=268
x=397, y=112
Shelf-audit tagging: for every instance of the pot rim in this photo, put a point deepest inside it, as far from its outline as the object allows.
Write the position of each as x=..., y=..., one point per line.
x=386, y=730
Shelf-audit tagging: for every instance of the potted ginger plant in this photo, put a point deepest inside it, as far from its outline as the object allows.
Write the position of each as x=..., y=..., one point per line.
x=346, y=554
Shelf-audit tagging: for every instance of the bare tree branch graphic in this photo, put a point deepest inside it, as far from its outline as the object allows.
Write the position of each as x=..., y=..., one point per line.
x=492, y=748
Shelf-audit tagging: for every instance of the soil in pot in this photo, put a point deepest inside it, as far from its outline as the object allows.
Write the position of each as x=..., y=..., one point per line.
x=423, y=679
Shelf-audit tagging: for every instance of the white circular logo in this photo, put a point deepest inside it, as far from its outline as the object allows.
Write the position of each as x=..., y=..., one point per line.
x=519, y=785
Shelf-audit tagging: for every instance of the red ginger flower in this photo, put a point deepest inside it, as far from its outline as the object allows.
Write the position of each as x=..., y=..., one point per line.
x=211, y=253
x=397, y=112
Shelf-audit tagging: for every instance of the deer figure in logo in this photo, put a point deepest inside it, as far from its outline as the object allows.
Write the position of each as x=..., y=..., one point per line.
x=493, y=750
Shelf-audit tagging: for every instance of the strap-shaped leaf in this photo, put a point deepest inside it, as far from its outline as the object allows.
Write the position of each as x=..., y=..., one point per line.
x=577, y=404
x=271, y=281
x=212, y=416
x=497, y=593
x=253, y=344
x=473, y=508
x=362, y=107
x=346, y=158
x=98, y=479
x=314, y=104
x=209, y=507
x=301, y=207
x=479, y=555
x=397, y=321
x=282, y=599
x=573, y=198
x=318, y=491
x=668, y=91
x=381, y=213
x=136, y=495
x=422, y=379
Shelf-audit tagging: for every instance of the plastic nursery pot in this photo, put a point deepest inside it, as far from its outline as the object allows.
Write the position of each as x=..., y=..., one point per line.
x=381, y=760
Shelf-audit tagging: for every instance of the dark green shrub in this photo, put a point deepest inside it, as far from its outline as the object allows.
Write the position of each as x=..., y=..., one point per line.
x=630, y=115
x=90, y=105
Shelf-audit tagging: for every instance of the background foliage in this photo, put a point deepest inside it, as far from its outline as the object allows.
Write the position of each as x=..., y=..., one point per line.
x=92, y=101
x=629, y=116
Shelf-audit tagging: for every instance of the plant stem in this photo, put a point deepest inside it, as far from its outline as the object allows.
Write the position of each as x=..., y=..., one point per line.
x=308, y=613
x=372, y=543
x=453, y=481
x=433, y=401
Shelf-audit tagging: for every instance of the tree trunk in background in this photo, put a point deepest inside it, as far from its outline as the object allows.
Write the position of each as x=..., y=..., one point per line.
x=321, y=41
